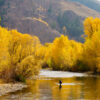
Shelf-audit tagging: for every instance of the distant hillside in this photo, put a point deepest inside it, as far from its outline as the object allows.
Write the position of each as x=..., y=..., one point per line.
x=93, y=4
x=46, y=19
x=2, y=2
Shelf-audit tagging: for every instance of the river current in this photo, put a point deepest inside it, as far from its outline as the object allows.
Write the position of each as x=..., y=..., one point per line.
x=75, y=86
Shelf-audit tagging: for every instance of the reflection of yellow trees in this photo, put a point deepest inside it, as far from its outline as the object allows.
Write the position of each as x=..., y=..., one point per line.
x=50, y=89
x=41, y=88
x=17, y=55
x=98, y=88
x=82, y=88
x=68, y=91
x=92, y=88
x=33, y=86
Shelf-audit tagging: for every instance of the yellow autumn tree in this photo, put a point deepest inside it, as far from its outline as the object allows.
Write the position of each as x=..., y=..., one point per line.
x=19, y=50
x=91, y=26
x=4, y=42
x=63, y=53
x=91, y=54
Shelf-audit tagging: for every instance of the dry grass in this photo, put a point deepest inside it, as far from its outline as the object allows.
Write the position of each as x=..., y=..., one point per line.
x=79, y=9
x=40, y=20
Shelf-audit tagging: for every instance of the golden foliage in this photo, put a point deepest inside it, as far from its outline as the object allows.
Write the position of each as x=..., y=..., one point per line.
x=91, y=55
x=17, y=55
x=63, y=53
x=91, y=26
x=21, y=55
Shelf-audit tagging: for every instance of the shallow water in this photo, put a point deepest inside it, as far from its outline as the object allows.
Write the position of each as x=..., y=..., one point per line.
x=75, y=86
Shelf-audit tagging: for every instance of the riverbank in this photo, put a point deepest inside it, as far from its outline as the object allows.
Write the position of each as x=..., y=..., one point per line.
x=8, y=88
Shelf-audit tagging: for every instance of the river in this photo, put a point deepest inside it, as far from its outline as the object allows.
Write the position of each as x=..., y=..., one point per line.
x=75, y=86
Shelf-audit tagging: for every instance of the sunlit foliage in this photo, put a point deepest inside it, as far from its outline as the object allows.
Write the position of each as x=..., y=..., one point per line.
x=91, y=26
x=17, y=55
x=91, y=54
x=63, y=53
x=22, y=55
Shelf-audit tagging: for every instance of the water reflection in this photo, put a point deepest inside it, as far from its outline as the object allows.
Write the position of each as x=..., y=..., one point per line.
x=76, y=88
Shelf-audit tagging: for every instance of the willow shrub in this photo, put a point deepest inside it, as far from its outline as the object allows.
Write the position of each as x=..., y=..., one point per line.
x=17, y=55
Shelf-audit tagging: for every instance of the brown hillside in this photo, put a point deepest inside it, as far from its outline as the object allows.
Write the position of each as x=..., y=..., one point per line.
x=79, y=9
x=31, y=16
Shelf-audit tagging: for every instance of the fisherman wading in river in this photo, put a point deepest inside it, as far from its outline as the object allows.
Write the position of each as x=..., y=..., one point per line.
x=60, y=84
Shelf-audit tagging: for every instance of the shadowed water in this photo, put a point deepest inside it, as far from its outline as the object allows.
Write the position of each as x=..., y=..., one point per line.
x=75, y=86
